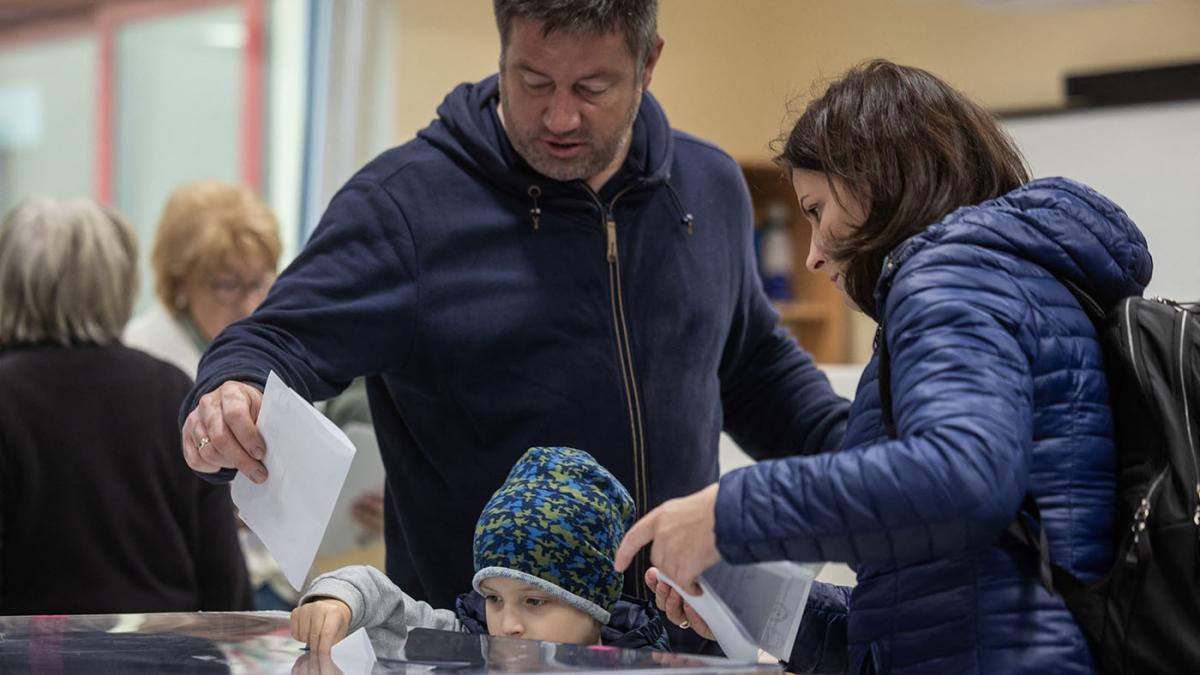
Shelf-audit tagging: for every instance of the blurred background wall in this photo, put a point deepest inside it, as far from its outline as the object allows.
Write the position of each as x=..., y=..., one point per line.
x=124, y=99
x=729, y=67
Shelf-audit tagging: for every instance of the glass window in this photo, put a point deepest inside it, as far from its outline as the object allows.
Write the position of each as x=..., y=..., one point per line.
x=178, y=110
x=47, y=118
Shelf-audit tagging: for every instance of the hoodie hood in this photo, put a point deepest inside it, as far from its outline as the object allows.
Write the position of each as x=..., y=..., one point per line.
x=468, y=130
x=1065, y=227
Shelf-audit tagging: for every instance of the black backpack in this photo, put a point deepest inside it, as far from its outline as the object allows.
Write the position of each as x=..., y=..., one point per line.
x=1143, y=615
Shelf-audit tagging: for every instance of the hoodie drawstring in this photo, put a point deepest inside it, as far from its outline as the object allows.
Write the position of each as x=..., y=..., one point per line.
x=535, y=213
x=685, y=218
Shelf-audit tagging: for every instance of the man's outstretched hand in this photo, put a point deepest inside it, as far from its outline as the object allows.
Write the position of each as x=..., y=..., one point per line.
x=221, y=433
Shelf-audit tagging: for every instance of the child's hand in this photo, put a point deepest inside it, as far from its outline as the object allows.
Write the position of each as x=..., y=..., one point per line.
x=320, y=623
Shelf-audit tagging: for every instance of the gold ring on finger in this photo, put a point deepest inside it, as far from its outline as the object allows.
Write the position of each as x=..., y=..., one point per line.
x=685, y=624
x=203, y=442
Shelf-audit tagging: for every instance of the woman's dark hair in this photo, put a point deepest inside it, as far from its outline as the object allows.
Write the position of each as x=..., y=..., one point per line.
x=910, y=147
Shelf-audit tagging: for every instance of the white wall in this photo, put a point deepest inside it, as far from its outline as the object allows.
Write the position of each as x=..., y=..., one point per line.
x=1147, y=159
x=844, y=380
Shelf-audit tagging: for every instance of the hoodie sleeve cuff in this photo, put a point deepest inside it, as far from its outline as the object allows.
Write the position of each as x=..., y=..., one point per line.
x=339, y=589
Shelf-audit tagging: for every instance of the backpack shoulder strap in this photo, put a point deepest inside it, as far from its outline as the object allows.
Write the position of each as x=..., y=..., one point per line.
x=1089, y=305
x=1088, y=608
x=1022, y=531
x=885, y=382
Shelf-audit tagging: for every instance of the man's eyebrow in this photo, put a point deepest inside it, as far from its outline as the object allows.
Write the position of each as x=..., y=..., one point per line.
x=531, y=70
x=603, y=73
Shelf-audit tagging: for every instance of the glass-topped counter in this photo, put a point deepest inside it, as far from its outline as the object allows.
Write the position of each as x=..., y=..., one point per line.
x=259, y=642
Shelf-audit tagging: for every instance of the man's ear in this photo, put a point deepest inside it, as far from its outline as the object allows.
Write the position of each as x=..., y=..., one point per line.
x=651, y=61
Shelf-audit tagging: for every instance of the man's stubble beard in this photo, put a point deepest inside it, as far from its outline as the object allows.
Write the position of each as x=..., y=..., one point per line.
x=592, y=160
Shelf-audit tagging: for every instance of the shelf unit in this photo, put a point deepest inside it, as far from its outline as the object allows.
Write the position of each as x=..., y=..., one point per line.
x=817, y=315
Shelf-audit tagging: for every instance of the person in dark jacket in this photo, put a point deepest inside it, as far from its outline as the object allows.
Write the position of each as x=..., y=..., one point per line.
x=99, y=514
x=548, y=260
x=543, y=554
x=923, y=214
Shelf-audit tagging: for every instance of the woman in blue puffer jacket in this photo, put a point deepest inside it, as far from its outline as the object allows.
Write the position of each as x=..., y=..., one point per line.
x=922, y=213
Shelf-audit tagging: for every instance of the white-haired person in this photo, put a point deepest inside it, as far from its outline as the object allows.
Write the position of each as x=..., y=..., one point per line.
x=99, y=515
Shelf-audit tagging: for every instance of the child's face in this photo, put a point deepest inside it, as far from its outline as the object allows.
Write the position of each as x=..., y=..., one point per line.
x=517, y=609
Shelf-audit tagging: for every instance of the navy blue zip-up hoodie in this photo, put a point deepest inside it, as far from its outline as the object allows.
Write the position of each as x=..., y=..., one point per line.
x=494, y=309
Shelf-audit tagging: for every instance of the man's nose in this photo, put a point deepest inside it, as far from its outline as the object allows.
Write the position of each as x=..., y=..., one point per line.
x=562, y=113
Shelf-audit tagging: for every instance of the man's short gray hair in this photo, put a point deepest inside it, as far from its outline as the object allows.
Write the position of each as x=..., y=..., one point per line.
x=68, y=273
x=636, y=19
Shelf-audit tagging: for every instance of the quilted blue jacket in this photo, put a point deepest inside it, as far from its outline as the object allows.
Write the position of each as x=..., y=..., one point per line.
x=998, y=390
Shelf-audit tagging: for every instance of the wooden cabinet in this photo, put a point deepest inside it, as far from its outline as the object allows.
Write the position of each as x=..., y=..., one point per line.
x=816, y=314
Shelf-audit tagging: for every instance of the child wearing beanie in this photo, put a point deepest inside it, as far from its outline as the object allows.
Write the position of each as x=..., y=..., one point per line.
x=543, y=551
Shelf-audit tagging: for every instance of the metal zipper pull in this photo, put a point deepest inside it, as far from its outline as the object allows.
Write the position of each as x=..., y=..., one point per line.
x=1143, y=512
x=1139, y=525
x=611, y=227
x=1196, y=515
x=535, y=213
x=1139, y=518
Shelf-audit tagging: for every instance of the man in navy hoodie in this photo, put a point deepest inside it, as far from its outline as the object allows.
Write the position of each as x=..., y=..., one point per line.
x=547, y=263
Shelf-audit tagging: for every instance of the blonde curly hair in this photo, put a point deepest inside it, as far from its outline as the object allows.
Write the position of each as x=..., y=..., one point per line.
x=204, y=226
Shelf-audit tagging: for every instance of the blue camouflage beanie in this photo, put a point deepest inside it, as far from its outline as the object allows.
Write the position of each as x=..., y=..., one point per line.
x=555, y=524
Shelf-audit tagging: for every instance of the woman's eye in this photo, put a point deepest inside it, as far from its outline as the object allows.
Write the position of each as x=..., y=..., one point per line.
x=491, y=598
x=535, y=602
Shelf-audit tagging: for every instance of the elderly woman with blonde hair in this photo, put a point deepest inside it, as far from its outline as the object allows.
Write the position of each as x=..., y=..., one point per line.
x=99, y=515
x=214, y=259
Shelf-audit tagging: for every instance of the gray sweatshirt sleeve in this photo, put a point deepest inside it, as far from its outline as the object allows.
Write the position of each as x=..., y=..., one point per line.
x=379, y=605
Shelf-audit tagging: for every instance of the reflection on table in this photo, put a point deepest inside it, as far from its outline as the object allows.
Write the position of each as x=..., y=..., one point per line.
x=259, y=642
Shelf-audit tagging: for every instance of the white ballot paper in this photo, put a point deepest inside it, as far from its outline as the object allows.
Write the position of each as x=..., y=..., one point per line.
x=344, y=532
x=307, y=460
x=752, y=607
x=354, y=654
